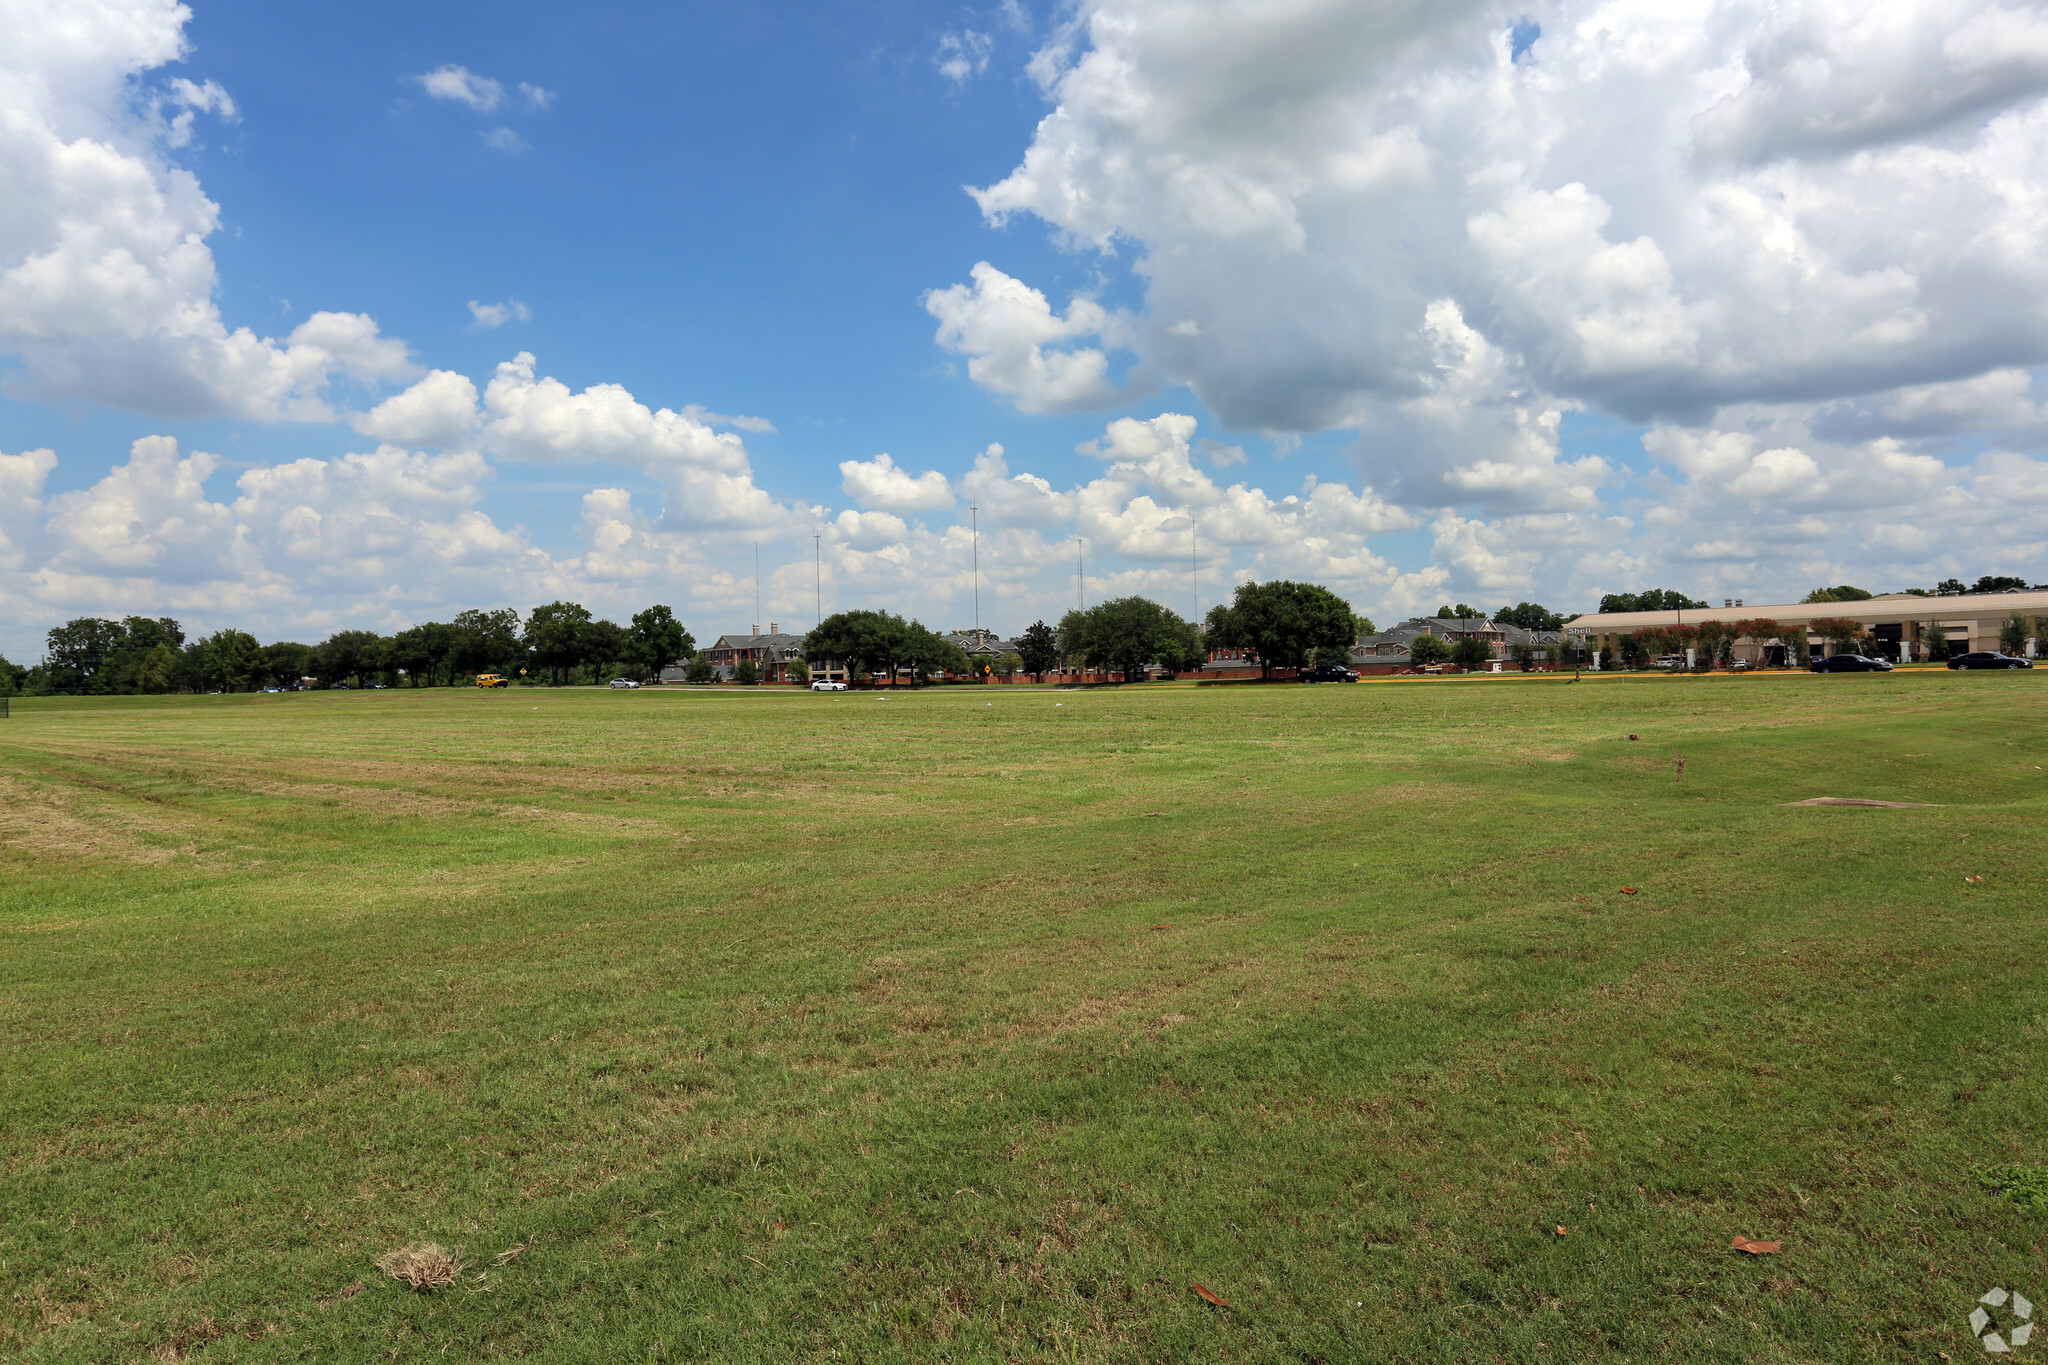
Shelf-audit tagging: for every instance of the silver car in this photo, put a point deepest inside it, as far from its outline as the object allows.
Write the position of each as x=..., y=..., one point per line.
x=622, y=682
x=826, y=685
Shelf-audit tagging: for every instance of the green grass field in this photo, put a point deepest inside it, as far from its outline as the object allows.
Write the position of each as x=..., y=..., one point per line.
x=980, y=1024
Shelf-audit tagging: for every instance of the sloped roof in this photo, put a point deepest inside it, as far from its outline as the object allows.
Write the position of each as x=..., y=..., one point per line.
x=776, y=642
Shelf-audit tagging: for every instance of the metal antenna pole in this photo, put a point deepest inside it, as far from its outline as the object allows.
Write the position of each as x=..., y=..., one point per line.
x=1080, y=579
x=974, y=514
x=757, y=585
x=818, y=576
x=1195, y=563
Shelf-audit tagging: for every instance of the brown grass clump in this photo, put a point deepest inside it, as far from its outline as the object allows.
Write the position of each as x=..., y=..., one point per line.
x=425, y=1268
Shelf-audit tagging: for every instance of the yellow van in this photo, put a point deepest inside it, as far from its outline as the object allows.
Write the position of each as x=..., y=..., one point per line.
x=492, y=680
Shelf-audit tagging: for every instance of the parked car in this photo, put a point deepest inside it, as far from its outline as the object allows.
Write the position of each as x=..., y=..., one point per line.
x=826, y=685
x=1849, y=663
x=1987, y=658
x=1326, y=673
x=1671, y=661
x=492, y=680
x=378, y=687
x=622, y=682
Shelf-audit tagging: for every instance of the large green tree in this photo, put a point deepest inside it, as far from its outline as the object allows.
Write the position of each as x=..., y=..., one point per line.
x=865, y=641
x=1470, y=653
x=421, y=651
x=604, y=647
x=75, y=652
x=1039, y=648
x=1841, y=592
x=350, y=656
x=927, y=654
x=486, y=641
x=1530, y=616
x=1125, y=634
x=1650, y=599
x=285, y=662
x=655, y=640
x=1284, y=623
x=556, y=637
x=141, y=639
x=1428, y=649
x=234, y=661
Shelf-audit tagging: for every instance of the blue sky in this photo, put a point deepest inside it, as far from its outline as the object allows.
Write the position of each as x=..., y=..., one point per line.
x=1458, y=312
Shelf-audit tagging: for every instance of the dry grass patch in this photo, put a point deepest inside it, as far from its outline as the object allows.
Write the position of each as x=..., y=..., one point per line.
x=423, y=1268
x=40, y=823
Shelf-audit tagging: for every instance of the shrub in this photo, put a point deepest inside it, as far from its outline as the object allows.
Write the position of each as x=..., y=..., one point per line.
x=746, y=673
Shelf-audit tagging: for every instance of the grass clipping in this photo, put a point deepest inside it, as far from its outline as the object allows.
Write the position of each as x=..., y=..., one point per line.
x=423, y=1268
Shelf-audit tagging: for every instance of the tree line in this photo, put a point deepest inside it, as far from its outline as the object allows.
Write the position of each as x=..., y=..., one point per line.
x=561, y=642
x=1282, y=624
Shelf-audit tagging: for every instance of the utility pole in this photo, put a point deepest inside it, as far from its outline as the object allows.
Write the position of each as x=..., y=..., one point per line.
x=974, y=514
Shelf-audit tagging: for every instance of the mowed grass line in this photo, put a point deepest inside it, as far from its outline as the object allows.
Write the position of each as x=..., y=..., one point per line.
x=969, y=1026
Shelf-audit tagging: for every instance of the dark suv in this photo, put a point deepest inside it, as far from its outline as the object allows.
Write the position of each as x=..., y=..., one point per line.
x=1987, y=658
x=1326, y=673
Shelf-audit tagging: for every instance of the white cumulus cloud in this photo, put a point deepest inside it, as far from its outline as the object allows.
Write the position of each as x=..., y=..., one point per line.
x=880, y=484
x=460, y=85
x=485, y=316
x=1377, y=218
x=1010, y=333
x=106, y=282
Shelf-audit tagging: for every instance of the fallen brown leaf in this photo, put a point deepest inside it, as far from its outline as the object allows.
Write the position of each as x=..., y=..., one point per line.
x=1757, y=1248
x=1211, y=1295
x=1162, y=926
x=1973, y=879
x=1629, y=891
x=353, y=1290
x=1560, y=1230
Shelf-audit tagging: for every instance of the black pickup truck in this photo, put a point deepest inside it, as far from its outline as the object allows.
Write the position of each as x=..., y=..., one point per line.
x=1326, y=673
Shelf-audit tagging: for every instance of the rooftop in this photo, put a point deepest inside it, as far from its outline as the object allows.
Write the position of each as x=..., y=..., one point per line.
x=1891, y=606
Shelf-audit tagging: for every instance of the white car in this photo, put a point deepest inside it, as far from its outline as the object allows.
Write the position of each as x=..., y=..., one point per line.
x=622, y=682
x=823, y=685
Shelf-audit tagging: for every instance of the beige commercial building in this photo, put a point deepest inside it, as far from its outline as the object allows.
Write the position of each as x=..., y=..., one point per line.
x=1898, y=620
